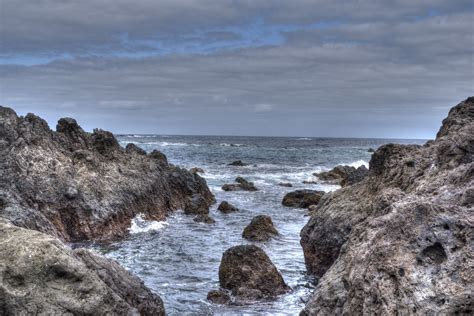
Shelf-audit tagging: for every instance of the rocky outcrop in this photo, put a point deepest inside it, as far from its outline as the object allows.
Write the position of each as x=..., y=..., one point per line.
x=302, y=198
x=238, y=163
x=39, y=275
x=260, y=229
x=79, y=186
x=196, y=170
x=401, y=240
x=226, y=207
x=241, y=185
x=249, y=274
x=219, y=297
x=344, y=175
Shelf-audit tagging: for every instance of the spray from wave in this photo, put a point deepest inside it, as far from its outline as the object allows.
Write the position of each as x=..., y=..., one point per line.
x=141, y=225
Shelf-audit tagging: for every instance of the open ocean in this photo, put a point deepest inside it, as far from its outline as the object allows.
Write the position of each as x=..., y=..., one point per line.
x=179, y=259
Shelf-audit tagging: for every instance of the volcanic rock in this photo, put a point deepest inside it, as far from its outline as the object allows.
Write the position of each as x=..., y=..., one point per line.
x=401, y=240
x=344, y=175
x=159, y=156
x=371, y=150
x=196, y=204
x=204, y=218
x=80, y=186
x=196, y=170
x=302, y=198
x=238, y=163
x=285, y=184
x=42, y=276
x=260, y=229
x=249, y=274
x=226, y=207
x=132, y=148
x=241, y=185
x=218, y=297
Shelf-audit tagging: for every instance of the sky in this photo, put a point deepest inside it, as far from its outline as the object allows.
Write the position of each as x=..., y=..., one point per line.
x=335, y=68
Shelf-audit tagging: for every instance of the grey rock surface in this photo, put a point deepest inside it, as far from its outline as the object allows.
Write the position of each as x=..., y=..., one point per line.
x=261, y=228
x=302, y=198
x=401, y=240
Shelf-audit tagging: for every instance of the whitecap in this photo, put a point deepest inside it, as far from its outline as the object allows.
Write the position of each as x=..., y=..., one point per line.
x=141, y=225
x=359, y=163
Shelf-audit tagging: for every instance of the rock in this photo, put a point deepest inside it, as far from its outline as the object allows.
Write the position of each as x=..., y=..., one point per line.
x=83, y=186
x=249, y=274
x=309, y=182
x=285, y=184
x=344, y=175
x=196, y=204
x=241, y=185
x=400, y=241
x=371, y=150
x=41, y=275
x=302, y=198
x=196, y=170
x=159, y=156
x=238, y=163
x=218, y=297
x=204, y=218
x=260, y=229
x=132, y=148
x=226, y=207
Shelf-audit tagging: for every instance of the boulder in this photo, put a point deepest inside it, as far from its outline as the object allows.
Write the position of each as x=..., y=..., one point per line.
x=285, y=184
x=159, y=156
x=204, y=218
x=302, y=198
x=241, y=185
x=400, y=241
x=260, y=229
x=371, y=150
x=83, y=186
x=42, y=276
x=132, y=148
x=344, y=175
x=248, y=273
x=219, y=297
x=238, y=163
x=226, y=207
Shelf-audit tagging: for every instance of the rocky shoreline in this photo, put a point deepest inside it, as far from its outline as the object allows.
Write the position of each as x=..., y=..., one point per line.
x=396, y=238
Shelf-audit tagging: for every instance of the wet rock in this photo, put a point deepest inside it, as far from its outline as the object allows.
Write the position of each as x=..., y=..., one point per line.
x=204, y=218
x=81, y=186
x=226, y=207
x=132, y=148
x=249, y=274
x=260, y=229
x=61, y=281
x=285, y=184
x=196, y=170
x=371, y=150
x=344, y=175
x=196, y=204
x=241, y=185
x=238, y=163
x=309, y=182
x=405, y=228
x=302, y=198
x=218, y=297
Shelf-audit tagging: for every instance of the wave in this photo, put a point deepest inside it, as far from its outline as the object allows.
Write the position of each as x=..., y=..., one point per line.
x=141, y=225
x=359, y=163
x=304, y=138
x=231, y=145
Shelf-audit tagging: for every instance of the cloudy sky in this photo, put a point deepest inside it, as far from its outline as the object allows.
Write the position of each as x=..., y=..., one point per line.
x=239, y=67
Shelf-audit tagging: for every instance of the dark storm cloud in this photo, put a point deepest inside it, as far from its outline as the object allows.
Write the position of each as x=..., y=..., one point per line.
x=327, y=68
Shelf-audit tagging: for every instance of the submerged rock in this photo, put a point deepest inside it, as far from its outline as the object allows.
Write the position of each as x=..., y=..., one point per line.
x=238, y=163
x=302, y=198
x=218, y=297
x=285, y=184
x=249, y=274
x=204, y=218
x=241, y=185
x=40, y=275
x=226, y=207
x=81, y=186
x=400, y=241
x=344, y=175
x=260, y=229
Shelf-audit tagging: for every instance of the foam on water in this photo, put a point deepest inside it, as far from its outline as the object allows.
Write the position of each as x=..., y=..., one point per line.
x=140, y=225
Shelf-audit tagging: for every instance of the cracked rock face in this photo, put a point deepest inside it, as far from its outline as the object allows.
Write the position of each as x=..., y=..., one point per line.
x=401, y=240
x=39, y=275
x=81, y=186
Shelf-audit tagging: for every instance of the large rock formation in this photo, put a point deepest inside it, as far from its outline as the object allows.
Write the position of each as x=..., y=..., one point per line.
x=400, y=241
x=39, y=275
x=248, y=273
x=344, y=175
x=78, y=185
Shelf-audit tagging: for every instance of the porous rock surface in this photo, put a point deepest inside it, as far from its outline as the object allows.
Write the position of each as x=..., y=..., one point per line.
x=39, y=275
x=302, y=198
x=344, y=175
x=248, y=273
x=261, y=228
x=401, y=240
x=80, y=186
x=225, y=207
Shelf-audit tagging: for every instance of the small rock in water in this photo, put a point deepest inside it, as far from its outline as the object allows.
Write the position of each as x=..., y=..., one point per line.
x=238, y=163
x=196, y=204
x=204, y=218
x=309, y=182
x=241, y=185
x=371, y=150
x=302, y=198
x=196, y=170
x=218, y=297
x=285, y=184
x=248, y=273
x=260, y=229
x=226, y=207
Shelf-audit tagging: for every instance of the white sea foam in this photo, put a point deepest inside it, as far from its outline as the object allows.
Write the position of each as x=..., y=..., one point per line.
x=304, y=138
x=141, y=225
x=359, y=163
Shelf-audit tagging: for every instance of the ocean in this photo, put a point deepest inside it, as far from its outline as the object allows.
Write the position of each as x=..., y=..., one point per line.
x=179, y=259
